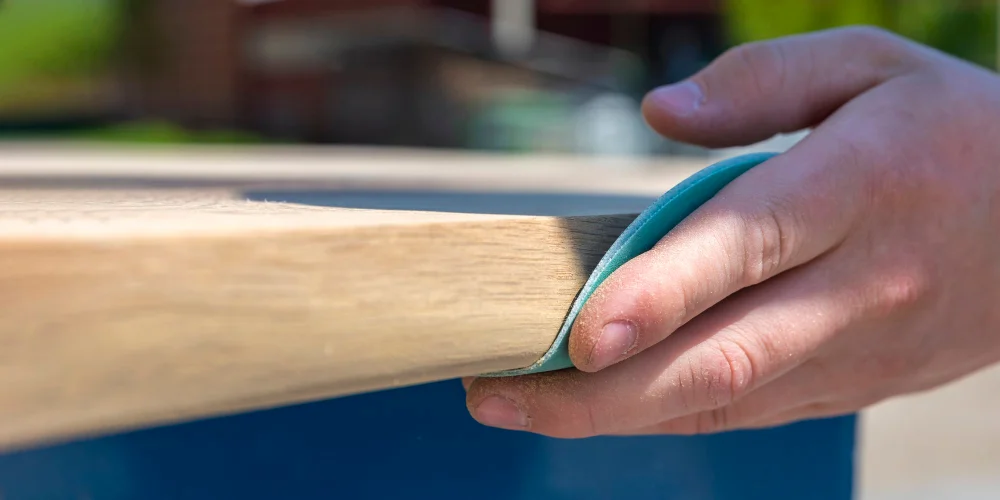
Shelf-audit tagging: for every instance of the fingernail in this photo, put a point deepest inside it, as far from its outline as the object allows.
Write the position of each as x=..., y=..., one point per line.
x=496, y=411
x=616, y=339
x=679, y=99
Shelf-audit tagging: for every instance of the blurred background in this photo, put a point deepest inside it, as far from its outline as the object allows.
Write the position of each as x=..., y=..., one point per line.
x=560, y=76
x=508, y=76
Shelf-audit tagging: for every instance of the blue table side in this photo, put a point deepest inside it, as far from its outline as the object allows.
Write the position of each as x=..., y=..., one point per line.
x=420, y=442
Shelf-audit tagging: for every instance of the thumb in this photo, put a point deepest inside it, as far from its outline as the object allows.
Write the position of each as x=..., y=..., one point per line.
x=755, y=91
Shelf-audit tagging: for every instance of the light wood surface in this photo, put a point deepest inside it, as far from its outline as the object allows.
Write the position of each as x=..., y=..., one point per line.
x=132, y=308
x=129, y=301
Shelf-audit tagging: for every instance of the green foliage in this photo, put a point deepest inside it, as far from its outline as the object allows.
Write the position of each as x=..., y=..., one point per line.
x=965, y=29
x=137, y=132
x=968, y=34
x=54, y=38
x=751, y=20
x=153, y=132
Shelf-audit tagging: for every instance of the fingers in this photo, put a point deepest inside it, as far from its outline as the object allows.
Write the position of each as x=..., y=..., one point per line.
x=758, y=90
x=779, y=215
x=711, y=363
x=717, y=421
x=796, y=396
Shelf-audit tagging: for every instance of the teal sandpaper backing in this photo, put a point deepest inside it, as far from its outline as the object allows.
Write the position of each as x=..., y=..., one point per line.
x=641, y=235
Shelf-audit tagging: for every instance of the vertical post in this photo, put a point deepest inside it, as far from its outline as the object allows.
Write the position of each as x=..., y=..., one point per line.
x=513, y=26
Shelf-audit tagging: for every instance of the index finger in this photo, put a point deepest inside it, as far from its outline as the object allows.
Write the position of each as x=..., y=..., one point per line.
x=779, y=215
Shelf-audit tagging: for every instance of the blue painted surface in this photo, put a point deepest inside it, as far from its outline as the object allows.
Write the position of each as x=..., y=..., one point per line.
x=420, y=442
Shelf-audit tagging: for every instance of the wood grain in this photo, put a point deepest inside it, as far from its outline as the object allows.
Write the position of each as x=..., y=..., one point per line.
x=125, y=308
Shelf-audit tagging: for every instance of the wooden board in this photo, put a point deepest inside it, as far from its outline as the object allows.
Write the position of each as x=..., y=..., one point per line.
x=126, y=306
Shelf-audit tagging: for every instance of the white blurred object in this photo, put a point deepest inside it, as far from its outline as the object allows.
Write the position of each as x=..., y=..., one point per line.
x=958, y=488
x=513, y=26
x=611, y=124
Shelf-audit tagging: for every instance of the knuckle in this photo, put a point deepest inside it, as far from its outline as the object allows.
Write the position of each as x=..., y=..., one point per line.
x=685, y=295
x=739, y=368
x=905, y=290
x=886, y=51
x=765, y=62
x=726, y=374
x=688, y=394
x=767, y=239
x=900, y=291
x=870, y=34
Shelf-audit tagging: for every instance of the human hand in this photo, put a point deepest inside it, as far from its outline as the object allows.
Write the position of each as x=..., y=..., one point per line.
x=862, y=264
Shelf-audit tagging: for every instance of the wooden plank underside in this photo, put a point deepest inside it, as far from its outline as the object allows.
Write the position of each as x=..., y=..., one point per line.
x=124, y=309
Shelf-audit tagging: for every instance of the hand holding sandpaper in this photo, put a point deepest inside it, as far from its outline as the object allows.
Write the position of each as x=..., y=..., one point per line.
x=862, y=264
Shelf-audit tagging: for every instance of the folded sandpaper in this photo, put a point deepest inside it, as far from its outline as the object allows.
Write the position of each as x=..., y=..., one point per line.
x=641, y=235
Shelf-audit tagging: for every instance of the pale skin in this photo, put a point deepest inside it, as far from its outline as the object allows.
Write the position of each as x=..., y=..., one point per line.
x=862, y=264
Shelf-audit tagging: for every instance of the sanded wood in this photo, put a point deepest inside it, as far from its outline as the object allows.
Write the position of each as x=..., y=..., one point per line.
x=141, y=286
x=126, y=308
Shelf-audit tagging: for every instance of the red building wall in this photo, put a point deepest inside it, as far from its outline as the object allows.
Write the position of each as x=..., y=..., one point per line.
x=194, y=77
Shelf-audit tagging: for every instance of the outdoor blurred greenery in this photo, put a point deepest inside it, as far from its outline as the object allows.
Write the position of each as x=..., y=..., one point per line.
x=964, y=28
x=54, y=40
x=145, y=132
x=51, y=49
